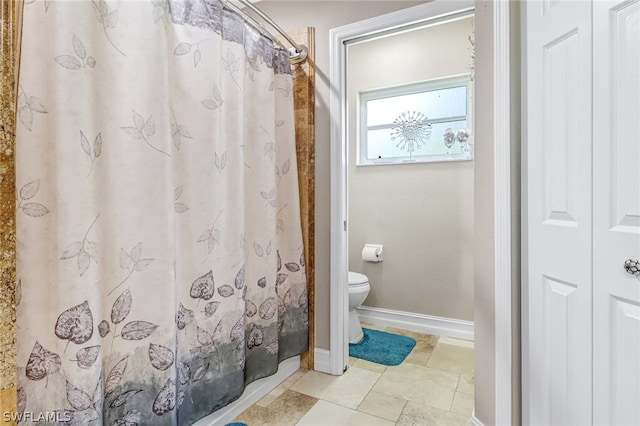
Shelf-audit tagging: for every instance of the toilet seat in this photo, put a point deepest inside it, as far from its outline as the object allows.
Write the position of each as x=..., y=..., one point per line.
x=356, y=279
x=358, y=286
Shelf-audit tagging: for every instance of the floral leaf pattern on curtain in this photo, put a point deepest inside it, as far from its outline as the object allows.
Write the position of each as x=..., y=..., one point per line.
x=79, y=60
x=27, y=106
x=178, y=132
x=94, y=150
x=27, y=192
x=108, y=18
x=160, y=240
x=84, y=251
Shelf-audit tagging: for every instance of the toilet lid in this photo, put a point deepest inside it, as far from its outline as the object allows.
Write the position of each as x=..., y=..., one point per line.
x=357, y=278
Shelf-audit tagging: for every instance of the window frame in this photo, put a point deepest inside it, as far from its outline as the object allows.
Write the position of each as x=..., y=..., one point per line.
x=366, y=96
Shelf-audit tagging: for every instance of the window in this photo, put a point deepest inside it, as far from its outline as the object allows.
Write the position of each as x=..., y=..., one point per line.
x=419, y=122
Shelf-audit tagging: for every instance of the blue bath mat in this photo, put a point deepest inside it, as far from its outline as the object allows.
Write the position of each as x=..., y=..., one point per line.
x=382, y=347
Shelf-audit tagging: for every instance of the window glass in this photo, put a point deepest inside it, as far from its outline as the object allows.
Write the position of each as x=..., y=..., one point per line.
x=435, y=104
x=408, y=123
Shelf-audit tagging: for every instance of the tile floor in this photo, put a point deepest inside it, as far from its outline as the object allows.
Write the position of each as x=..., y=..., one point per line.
x=433, y=386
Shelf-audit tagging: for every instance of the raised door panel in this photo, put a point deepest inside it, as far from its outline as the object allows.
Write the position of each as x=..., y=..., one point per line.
x=559, y=223
x=561, y=67
x=623, y=371
x=616, y=211
x=563, y=345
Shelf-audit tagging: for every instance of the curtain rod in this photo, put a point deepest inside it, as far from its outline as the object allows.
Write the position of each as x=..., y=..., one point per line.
x=299, y=52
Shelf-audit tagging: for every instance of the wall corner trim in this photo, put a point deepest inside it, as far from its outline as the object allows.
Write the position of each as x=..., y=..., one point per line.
x=502, y=209
x=475, y=421
x=322, y=360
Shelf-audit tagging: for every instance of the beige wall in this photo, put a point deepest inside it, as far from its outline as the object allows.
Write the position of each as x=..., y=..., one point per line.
x=422, y=213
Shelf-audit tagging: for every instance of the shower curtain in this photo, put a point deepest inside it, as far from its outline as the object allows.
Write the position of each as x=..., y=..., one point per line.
x=160, y=257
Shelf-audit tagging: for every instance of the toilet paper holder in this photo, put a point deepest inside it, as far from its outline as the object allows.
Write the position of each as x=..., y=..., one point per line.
x=372, y=252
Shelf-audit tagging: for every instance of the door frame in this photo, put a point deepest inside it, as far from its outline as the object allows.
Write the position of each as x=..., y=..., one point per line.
x=437, y=9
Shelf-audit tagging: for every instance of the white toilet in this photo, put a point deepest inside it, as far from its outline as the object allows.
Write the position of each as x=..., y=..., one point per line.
x=358, y=291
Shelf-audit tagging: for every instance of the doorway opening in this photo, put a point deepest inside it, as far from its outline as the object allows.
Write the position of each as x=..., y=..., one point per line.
x=432, y=12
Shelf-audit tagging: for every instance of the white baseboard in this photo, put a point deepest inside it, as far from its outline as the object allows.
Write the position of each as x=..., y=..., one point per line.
x=428, y=324
x=475, y=421
x=252, y=394
x=322, y=360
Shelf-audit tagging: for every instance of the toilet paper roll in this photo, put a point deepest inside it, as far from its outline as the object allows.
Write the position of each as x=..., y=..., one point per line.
x=372, y=253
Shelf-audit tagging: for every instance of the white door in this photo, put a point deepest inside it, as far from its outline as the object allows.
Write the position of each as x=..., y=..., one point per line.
x=582, y=311
x=616, y=212
x=558, y=84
